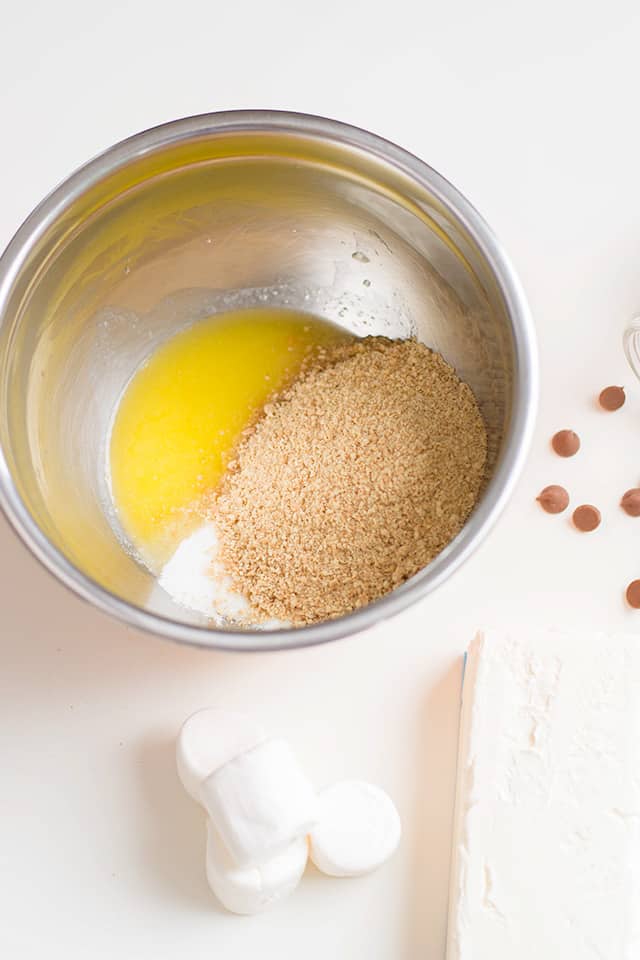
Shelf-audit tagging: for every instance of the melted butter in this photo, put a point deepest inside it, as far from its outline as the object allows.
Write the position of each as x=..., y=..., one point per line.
x=183, y=412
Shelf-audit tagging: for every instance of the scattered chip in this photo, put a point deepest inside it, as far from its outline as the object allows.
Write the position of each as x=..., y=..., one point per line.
x=633, y=594
x=586, y=518
x=554, y=499
x=630, y=502
x=612, y=398
x=566, y=443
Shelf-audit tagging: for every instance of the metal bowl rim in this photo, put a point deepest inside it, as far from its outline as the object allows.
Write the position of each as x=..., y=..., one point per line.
x=519, y=432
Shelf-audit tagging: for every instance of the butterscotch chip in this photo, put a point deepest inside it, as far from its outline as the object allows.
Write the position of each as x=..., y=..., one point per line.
x=566, y=443
x=633, y=594
x=630, y=502
x=612, y=398
x=553, y=499
x=586, y=518
x=354, y=478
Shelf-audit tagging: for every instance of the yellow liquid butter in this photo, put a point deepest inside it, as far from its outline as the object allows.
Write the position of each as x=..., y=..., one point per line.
x=183, y=412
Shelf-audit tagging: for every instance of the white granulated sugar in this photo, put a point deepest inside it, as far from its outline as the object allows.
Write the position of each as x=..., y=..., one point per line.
x=196, y=578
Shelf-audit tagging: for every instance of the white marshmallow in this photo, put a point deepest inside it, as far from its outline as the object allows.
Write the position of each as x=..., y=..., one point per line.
x=208, y=740
x=260, y=802
x=358, y=829
x=248, y=890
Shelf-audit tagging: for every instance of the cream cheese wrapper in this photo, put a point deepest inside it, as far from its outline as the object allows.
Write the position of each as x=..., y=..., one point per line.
x=248, y=890
x=358, y=829
x=260, y=802
x=210, y=738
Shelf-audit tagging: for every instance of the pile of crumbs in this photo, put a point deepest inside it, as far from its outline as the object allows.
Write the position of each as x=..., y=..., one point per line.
x=354, y=478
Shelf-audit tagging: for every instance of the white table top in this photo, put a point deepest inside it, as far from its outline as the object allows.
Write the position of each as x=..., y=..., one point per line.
x=531, y=110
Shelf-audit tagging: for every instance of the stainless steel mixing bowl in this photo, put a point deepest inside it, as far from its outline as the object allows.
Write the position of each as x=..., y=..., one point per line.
x=220, y=211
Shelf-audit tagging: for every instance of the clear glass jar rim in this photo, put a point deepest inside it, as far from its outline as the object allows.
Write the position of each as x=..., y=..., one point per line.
x=631, y=343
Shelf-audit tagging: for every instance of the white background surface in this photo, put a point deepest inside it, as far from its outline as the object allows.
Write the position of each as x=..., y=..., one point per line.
x=532, y=111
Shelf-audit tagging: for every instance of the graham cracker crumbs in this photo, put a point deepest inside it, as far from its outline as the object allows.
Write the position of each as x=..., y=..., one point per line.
x=354, y=478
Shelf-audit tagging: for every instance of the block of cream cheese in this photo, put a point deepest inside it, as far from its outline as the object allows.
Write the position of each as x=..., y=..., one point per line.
x=260, y=802
x=546, y=856
x=248, y=890
x=358, y=829
x=208, y=740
